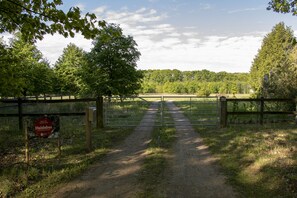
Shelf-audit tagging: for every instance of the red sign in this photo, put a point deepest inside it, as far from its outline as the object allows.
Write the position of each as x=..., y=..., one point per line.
x=43, y=127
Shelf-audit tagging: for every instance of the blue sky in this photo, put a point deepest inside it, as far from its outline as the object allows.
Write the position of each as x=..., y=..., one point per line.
x=218, y=35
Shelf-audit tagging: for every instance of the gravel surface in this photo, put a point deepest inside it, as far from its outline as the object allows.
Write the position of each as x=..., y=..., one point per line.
x=194, y=172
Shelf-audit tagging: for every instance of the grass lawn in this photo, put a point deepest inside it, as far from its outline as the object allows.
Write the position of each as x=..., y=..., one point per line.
x=259, y=161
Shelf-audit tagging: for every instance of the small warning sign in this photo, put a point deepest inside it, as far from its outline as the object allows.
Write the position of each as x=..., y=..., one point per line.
x=44, y=127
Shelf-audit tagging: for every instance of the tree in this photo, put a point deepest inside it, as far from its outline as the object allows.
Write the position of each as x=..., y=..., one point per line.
x=68, y=69
x=35, y=18
x=24, y=69
x=8, y=80
x=283, y=6
x=112, y=64
x=273, y=55
x=283, y=79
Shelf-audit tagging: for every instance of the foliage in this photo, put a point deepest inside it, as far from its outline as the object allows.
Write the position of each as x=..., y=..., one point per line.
x=273, y=61
x=202, y=82
x=283, y=6
x=68, y=69
x=35, y=18
x=259, y=161
x=112, y=64
x=24, y=69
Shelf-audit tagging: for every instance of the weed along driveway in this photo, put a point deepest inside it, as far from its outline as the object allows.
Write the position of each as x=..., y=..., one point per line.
x=116, y=175
x=193, y=172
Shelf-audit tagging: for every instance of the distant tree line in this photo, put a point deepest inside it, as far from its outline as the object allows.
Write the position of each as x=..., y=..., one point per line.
x=202, y=82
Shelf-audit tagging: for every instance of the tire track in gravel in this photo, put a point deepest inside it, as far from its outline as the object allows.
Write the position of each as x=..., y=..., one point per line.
x=194, y=172
x=116, y=175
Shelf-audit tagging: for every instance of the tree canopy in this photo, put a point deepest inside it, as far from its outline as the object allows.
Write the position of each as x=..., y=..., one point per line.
x=269, y=70
x=68, y=70
x=24, y=69
x=202, y=82
x=283, y=6
x=35, y=18
x=112, y=64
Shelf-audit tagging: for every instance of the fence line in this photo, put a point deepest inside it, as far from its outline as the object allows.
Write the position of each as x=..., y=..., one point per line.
x=225, y=112
x=20, y=103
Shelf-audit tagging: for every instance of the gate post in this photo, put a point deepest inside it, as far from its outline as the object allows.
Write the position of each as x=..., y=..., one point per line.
x=20, y=111
x=223, y=112
x=261, y=110
x=99, y=112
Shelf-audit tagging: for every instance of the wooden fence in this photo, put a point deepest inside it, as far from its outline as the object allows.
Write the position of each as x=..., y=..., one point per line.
x=259, y=108
x=21, y=102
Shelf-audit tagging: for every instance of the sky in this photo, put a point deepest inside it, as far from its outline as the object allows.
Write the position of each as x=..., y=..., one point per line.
x=217, y=35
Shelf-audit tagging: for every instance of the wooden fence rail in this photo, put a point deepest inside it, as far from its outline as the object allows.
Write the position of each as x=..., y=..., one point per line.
x=20, y=103
x=224, y=112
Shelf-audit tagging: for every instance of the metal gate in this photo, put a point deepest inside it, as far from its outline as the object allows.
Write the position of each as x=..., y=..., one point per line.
x=128, y=111
x=201, y=111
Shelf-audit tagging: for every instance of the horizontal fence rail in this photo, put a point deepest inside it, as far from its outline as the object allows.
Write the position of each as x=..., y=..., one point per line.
x=256, y=111
x=31, y=107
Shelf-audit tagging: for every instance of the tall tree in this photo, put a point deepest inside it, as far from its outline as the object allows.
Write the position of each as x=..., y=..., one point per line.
x=283, y=79
x=112, y=64
x=68, y=69
x=28, y=72
x=35, y=18
x=273, y=55
x=8, y=79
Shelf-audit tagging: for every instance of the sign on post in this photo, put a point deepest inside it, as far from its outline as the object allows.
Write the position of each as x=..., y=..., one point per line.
x=44, y=127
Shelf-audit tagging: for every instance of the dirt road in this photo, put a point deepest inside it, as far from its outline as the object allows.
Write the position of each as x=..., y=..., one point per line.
x=193, y=172
x=116, y=174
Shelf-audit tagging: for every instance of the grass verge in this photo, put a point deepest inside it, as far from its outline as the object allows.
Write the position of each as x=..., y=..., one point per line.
x=46, y=169
x=152, y=176
x=259, y=161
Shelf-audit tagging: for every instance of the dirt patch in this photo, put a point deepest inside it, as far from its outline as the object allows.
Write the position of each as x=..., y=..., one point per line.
x=116, y=175
x=193, y=172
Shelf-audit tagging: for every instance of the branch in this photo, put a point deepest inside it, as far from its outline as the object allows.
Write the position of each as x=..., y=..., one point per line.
x=29, y=10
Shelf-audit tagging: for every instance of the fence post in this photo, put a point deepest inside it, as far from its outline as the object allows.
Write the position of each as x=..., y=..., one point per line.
x=99, y=112
x=88, y=131
x=20, y=112
x=261, y=110
x=223, y=112
x=27, y=155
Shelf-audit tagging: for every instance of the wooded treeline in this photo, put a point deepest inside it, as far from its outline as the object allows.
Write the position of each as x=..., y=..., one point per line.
x=202, y=82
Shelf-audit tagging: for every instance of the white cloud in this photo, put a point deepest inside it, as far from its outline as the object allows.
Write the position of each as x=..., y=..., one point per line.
x=52, y=46
x=164, y=46
x=246, y=10
x=100, y=10
x=80, y=6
